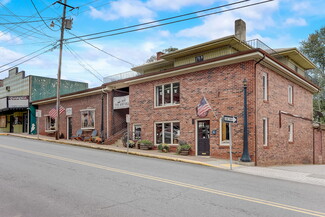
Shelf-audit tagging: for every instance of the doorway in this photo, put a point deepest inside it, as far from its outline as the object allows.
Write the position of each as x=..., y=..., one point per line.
x=203, y=137
x=12, y=121
x=25, y=122
x=69, y=127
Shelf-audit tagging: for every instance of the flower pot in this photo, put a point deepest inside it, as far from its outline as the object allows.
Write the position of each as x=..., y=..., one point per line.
x=184, y=152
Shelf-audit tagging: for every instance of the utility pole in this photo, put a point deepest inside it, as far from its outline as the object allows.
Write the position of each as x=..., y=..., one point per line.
x=57, y=123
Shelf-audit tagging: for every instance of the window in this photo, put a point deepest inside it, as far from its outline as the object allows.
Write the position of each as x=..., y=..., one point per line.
x=167, y=94
x=265, y=87
x=137, y=131
x=265, y=132
x=224, y=133
x=87, y=119
x=167, y=132
x=290, y=94
x=49, y=124
x=199, y=58
x=291, y=132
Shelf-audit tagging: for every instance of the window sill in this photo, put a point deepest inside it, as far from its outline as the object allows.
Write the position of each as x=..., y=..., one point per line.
x=50, y=131
x=92, y=128
x=166, y=106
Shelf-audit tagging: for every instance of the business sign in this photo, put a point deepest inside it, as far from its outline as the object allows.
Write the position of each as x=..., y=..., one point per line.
x=127, y=118
x=230, y=119
x=3, y=103
x=38, y=113
x=121, y=102
x=68, y=111
x=18, y=101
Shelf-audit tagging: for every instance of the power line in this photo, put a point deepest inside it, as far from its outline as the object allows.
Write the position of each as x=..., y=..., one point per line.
x=163, y=24
x=80, y=62
x=164, y=19
x=125, y=61
x=28, y=55
x=40, y=15
x=51, y=49
x=22, y=22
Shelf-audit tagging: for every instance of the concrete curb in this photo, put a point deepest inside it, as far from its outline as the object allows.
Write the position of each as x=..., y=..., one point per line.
x=119, y=151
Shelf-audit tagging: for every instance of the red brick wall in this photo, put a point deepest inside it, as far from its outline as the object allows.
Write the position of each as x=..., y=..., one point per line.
x=319, y=146
x=279, y=149
x=222, y=87
x=94, y=101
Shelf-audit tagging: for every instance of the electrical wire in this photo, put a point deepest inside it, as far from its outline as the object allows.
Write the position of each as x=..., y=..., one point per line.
x=164, y=19
x=125, y=61
x=51, y=49
x=40, y=15
x=22, y=22
x=163, y=24
x=28, y=55
x=79, y=60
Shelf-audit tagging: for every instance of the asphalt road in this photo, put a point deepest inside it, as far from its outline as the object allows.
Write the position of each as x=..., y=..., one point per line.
x=39, y=179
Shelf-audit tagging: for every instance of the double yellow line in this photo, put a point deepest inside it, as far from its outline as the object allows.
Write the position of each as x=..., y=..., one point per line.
x=172, y=182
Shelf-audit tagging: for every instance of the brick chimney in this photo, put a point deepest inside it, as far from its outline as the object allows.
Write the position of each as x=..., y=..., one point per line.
x=240, y=29
x=159, y=54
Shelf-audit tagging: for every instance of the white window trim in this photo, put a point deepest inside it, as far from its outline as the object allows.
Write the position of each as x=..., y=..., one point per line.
x=266, y=131
x=226, y=142
x=291, y=132
x=290, y=94
x=265, y=90
x=163, y=95
x=133, y=136
x=49, y=131
x=88, y=128
x=163, y=135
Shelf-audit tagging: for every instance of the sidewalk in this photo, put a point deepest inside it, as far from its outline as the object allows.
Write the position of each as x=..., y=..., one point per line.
x=311, y=174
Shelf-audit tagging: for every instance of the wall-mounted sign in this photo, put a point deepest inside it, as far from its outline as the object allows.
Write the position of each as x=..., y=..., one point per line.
x=68, y=111
x=127, y=118
x=3, y=121
x=3, y=103
x=38, y=113
x=121, y=102
x=18, y=101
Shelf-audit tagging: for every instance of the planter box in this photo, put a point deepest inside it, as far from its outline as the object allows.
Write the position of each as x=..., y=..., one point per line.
x=186, y=152
x=144, y=147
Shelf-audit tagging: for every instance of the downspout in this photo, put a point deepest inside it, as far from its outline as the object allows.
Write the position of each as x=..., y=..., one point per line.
x=105, y=90
x=256, y=107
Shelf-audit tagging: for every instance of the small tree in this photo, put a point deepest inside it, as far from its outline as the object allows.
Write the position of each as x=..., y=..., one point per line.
x=314, y=49
x=153, y=58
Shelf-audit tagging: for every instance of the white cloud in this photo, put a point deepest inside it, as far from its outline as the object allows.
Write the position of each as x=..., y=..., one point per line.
x=164, y=33
x=257, y=17
x=9, y=38
x=5, y=1
x=295, y=22
x=123, y=9
x=176, y=4
x=308, y=8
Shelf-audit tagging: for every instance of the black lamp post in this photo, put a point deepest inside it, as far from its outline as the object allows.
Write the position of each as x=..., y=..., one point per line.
x=245, y=157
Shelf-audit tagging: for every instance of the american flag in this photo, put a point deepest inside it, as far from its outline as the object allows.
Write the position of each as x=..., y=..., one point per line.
x=53, y=112
x=203, y=108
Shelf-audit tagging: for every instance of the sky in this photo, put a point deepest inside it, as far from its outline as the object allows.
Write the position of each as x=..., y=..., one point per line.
x=25, y=29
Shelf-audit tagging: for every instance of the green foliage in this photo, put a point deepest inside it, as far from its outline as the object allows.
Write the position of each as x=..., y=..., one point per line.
x=163, y=147
x=314, y=49
x=146, y=142
x=153, y=58
x=183, y=146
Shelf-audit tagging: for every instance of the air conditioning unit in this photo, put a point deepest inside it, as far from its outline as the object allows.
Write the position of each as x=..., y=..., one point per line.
x=8, y=88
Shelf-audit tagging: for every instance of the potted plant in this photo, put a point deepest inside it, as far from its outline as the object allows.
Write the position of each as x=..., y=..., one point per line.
x=163, y=147
x=145, y=144
x=183, y=148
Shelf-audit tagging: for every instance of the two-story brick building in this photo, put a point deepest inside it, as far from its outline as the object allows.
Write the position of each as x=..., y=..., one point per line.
x=164, y=96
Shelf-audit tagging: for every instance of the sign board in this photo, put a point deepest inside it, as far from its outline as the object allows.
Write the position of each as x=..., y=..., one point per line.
x=68, y=111
x=127, y=118
x=3, y=103
x=230, y=119
x=38, y=113
x=18, y=101
x=121, y=102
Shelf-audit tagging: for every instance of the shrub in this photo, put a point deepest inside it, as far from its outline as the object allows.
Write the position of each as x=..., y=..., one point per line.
x=183, y=147
x=163, y=147
x=146, y=142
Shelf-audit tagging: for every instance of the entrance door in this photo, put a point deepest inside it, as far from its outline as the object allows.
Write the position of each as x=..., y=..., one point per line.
x=69, y=133
x=203, y=137
x=12, y=121
x=25, y=122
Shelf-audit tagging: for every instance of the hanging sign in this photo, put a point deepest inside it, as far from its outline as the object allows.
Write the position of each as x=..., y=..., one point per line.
x=121, y=102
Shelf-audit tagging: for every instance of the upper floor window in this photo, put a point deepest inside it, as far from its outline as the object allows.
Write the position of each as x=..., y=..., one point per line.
x=167, y=94
x=199, y=58
x=265, y=87
x=290, y=94
x=290, y=132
